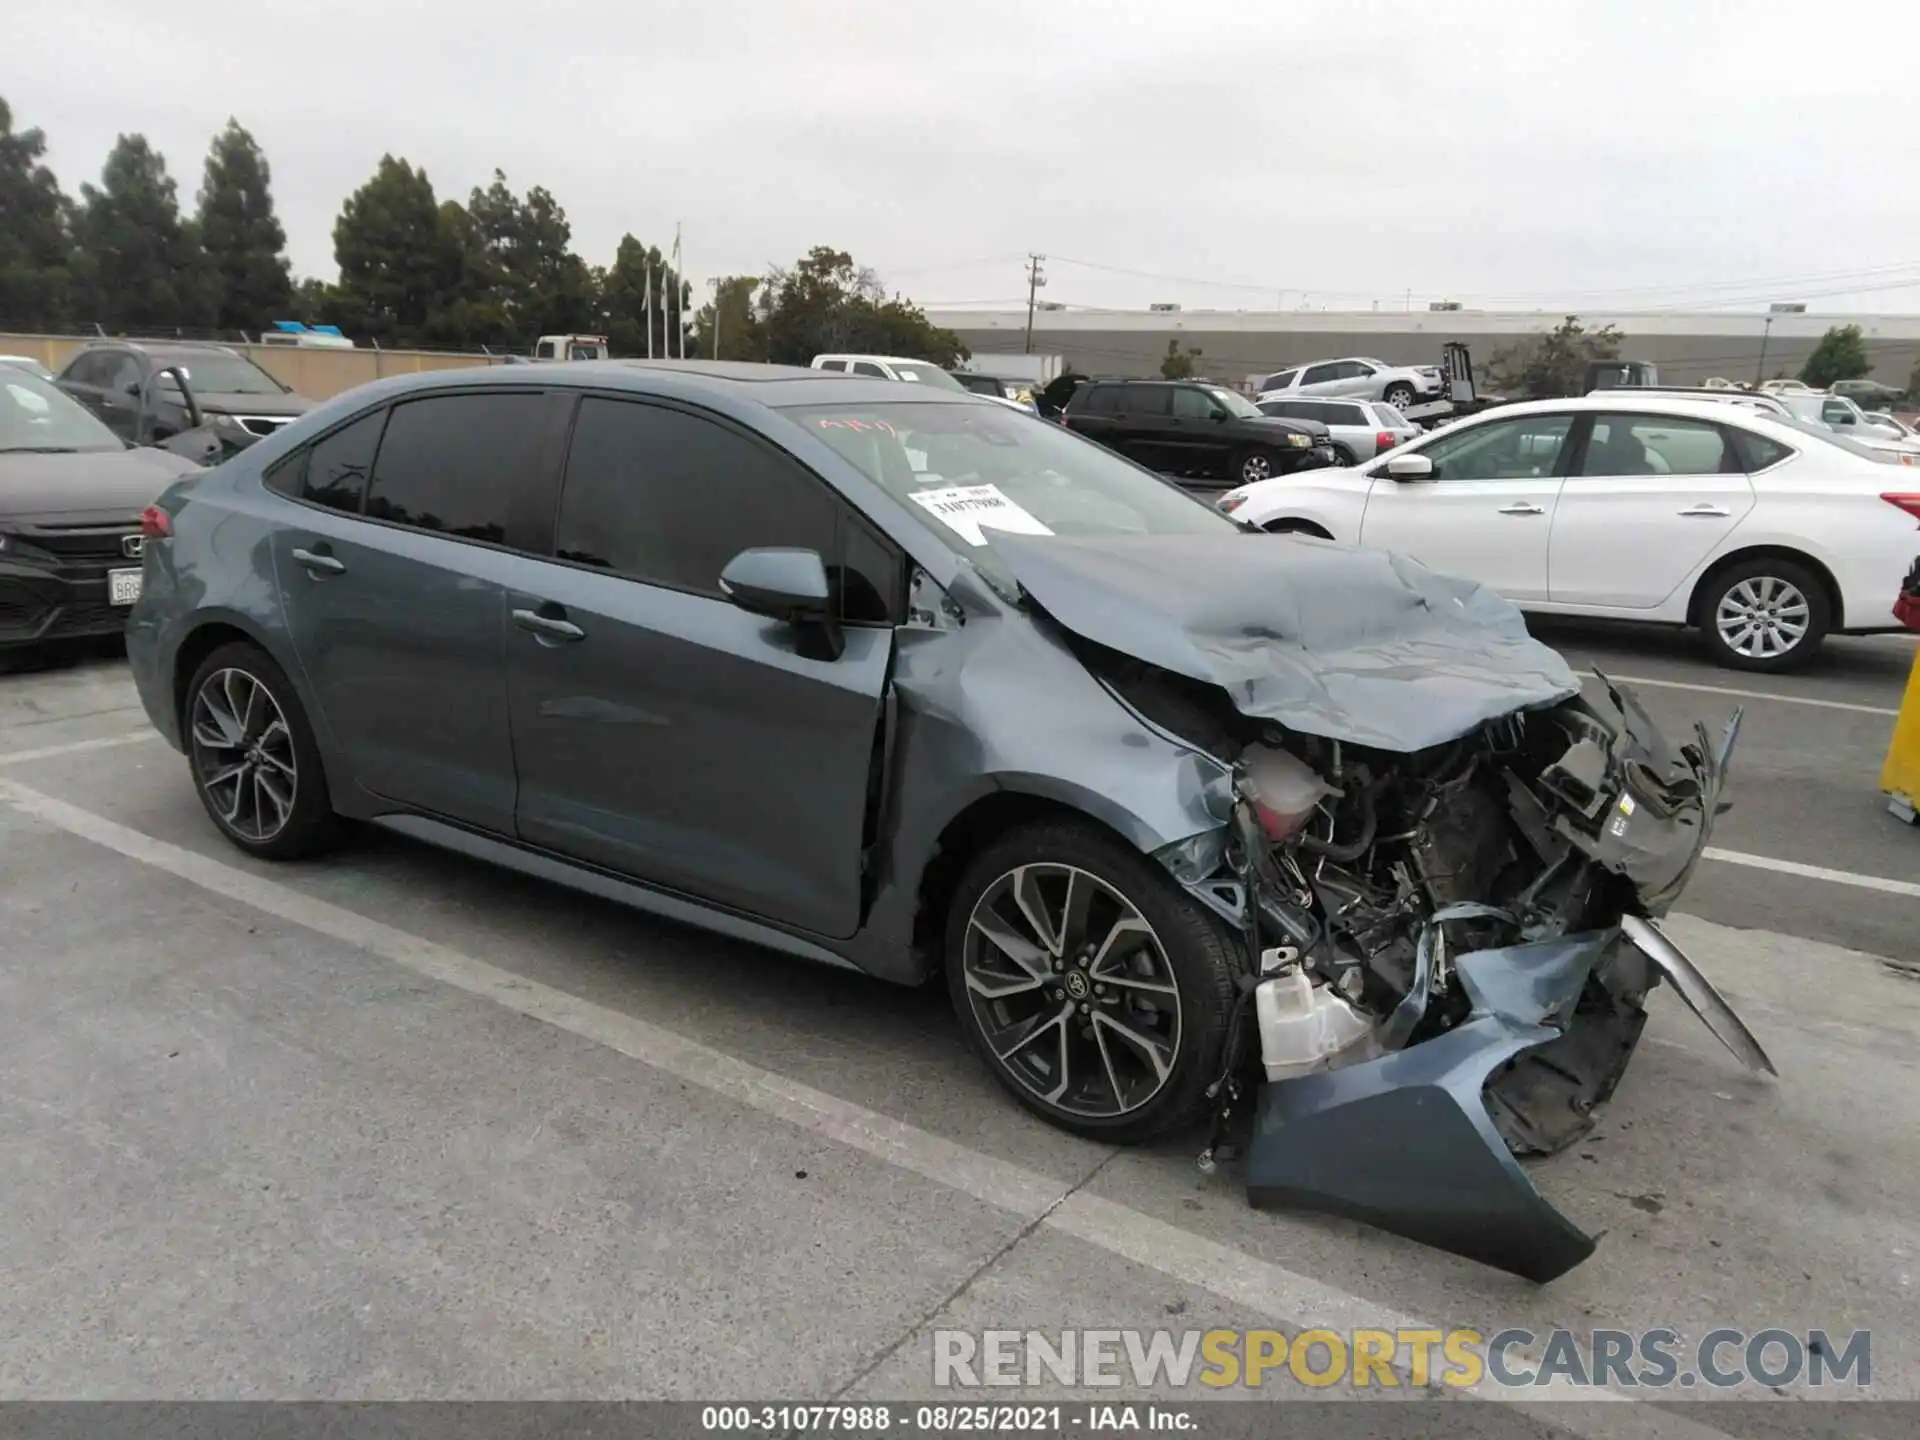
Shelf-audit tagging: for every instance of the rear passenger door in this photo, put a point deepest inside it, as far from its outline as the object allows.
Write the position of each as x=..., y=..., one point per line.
x=391, y=578
x=1648, y=498
x=661, y=731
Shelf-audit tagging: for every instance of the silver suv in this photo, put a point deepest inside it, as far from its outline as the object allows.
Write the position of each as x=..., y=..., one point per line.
x=1359, y=378
x=1359, y=429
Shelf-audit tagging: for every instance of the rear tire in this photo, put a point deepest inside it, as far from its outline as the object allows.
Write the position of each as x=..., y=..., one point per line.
x=255, y=764
x=1095, y=990
x=1764, y=615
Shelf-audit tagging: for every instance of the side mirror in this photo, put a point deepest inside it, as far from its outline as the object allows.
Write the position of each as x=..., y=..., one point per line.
x=789, y=586
x=1409, y=469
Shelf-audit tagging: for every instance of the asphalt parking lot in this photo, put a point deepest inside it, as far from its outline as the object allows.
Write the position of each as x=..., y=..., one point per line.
x=398, y=1125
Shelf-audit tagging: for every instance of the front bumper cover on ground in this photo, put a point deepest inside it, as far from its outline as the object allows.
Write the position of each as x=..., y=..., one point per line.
x=1410, y=1142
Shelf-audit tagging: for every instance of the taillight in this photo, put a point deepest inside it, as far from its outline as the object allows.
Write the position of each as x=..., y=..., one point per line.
x=1384, y=441
x=155, y=524
x=1908, y=503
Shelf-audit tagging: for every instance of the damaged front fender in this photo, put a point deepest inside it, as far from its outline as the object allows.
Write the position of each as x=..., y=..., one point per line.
x=1409, y=1143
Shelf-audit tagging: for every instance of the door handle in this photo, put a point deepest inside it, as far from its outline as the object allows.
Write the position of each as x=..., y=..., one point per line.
x=319, y=562
x=1521, y=508
x=1711, y=512
x=547, y=627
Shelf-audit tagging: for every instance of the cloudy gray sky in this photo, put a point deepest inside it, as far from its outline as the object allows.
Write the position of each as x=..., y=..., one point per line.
x=1223, y=153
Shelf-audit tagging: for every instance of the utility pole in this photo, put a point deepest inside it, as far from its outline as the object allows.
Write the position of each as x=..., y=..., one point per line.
x=1035, y=279
x=1760, y=370
x=715, y=282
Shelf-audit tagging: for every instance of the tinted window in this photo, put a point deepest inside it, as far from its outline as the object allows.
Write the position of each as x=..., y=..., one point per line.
x=1192, y=404
x=1281, y=379
x=867, y=367
x=451, y=464
x=840, y=365
x=86, y=370
x=670, y=498
x=1655, y=445
x=1316, y=374
x=333, y=471
x=1148, y=399
x=1517, y=449
x=1342, y=415
x=544, y=350
x=1288, y=409
x=1100, y=399
x=210, y=372
x=1757, y=452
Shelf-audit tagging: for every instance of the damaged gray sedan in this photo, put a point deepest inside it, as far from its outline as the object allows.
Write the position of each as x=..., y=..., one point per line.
x=1201, y=827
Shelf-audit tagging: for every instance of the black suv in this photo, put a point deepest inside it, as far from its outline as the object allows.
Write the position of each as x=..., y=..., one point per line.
x=130, y=385
x=1195, y=432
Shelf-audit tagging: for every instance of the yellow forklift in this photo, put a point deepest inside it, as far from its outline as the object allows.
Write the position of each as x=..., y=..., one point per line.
x=1901, y=778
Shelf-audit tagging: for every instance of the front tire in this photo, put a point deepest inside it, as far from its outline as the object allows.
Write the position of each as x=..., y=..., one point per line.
x=1399, y=396
x=1765, y=614
x=253, y=757
x=1343, y=457
x=1096, y=992
x=1253, y=466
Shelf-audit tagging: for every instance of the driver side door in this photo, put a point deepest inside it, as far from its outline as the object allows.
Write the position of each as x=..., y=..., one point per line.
x=664, y=733
x=1487, y=513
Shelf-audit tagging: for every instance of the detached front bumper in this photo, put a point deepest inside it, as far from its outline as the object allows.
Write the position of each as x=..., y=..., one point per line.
x=1423, y=1142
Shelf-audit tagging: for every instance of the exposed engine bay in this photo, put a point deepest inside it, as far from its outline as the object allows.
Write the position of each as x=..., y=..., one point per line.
x=1448, y=952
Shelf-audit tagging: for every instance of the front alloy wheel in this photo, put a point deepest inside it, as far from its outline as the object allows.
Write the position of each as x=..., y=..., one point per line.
x=1095, y=990
x=1072, y=990
x=1255, y=466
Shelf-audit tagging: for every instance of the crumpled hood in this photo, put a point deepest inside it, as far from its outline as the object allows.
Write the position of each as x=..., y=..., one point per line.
x=105, y=481
x=1359, y=646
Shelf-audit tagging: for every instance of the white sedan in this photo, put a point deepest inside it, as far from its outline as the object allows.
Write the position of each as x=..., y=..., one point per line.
x=1765, y=534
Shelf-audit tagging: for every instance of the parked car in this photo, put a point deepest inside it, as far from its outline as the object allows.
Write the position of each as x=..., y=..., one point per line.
x=71, y=493
x=1766, y=536
x=27, y=363
x=1889, y=421
x=1841, y=414
x=1360, y=378
x=241, y=402
x=1206, y=433
x=1358, y=429
x=708, y=640
x=889, y=367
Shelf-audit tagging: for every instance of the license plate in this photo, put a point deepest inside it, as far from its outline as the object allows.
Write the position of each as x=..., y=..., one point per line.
x=123, y=587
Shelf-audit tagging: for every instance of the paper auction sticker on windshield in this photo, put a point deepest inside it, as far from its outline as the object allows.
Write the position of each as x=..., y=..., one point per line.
x=967, y=510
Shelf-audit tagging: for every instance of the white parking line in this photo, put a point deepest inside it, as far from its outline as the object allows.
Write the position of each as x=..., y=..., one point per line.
x=1812, y=872
x=1751, y=694
x=1282, y=1295
x=76, y=747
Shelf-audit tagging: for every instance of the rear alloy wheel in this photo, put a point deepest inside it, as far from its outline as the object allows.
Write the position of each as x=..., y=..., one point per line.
x=1095, y=991
x=1255, y=466
x=1764, y=614
x=253, y=756
x=1399, y=396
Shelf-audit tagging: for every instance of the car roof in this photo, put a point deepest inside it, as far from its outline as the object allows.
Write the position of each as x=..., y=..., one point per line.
x=883, y=359
x=162, y=347
x=775, y=386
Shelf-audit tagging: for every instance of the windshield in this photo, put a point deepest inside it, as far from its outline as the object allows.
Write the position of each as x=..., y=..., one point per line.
x=926, y=374
x=966, y=470
x=220, y=375
x=1236, y=403
x=36, y=417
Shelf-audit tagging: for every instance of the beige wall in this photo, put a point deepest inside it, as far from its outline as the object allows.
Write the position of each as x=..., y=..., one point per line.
x=316, y=374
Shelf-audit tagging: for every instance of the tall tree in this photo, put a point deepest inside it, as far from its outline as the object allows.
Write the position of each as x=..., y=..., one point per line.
x=240, y=234
x=826, y=303
x=623, y=310
x=540, y=285
x=1840, y=355
x=734, y=313
x=142, y=265
x=400, y=260
x=1556, y=363
x=34, y=221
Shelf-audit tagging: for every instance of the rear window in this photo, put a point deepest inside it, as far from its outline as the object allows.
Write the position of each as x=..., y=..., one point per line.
x=1391, y=417
x=1280, y=379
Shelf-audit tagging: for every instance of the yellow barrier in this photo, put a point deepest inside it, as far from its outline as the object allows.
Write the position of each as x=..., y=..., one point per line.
x=1901, y=778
